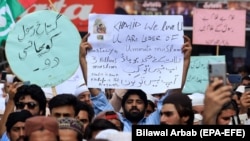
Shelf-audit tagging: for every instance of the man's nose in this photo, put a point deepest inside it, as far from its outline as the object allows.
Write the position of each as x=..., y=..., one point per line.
x=25, y=107
x=134, y=104
x=21, y=132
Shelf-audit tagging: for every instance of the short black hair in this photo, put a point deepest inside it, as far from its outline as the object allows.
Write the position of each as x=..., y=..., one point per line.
x=245, y=78
x=183, y=105
x=138, y=92
x=83, y=106
x=97, y=125
x=17, y=116
x=63, y=100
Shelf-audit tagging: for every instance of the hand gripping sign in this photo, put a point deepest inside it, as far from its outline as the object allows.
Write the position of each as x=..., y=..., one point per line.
x=43, y=48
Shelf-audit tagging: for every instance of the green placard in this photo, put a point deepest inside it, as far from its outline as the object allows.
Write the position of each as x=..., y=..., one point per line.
x=197, y=78
x=43, y=48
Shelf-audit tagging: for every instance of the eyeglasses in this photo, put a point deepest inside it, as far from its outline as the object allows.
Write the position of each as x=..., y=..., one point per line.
x=21, y=105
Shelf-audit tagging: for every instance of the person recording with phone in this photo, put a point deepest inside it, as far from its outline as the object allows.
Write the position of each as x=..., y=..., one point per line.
x=216, y=96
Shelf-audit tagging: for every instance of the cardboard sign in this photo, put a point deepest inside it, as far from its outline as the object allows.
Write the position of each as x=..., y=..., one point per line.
x=197, y=77
x=43, y=48
x=219, y=27
x=135, y=51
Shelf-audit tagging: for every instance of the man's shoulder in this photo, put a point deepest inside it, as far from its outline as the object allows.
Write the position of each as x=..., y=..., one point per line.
x=4, y=137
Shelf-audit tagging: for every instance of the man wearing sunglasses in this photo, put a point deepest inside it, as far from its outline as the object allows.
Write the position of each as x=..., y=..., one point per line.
x=25, y=97
x=31, y=98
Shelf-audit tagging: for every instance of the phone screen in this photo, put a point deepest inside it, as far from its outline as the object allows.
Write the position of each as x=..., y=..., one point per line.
x=3, y=75
x=217, y=70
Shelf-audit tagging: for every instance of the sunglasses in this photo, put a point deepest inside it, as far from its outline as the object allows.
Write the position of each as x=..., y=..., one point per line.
x=21, y=105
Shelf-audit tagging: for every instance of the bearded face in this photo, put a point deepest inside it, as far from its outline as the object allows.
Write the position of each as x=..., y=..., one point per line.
x=134, y=109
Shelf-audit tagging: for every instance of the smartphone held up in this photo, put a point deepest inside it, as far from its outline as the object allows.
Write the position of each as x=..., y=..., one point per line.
x=3, y=76
x=217, y=70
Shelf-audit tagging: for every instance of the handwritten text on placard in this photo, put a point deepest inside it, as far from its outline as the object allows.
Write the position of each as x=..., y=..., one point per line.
x=197, y=78
x=43, y=48
x=135, y=52
x=219, y=27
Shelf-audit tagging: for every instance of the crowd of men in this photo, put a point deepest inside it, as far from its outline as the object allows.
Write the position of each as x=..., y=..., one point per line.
x=92, y=114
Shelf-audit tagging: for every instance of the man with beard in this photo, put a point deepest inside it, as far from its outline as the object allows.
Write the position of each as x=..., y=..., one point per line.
x=15, y=125
x=134, y=102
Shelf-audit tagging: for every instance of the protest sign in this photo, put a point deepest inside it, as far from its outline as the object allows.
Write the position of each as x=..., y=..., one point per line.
x=43, y=48
x=219, y=27
x=197, y=77
x=132, y=51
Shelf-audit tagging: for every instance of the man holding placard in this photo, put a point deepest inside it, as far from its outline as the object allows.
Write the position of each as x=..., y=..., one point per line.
x=100, y=96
